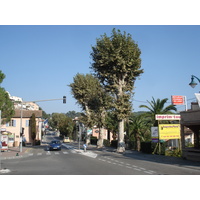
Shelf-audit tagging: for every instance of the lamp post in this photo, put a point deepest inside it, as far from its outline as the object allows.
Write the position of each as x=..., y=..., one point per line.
x=193, y=83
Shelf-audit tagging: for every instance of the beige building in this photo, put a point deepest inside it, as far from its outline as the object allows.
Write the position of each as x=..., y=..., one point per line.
x=12, y=128
x=191, y=119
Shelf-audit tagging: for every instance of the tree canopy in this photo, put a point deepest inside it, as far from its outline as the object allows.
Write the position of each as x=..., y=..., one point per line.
x=158, y=107
x=6, y=105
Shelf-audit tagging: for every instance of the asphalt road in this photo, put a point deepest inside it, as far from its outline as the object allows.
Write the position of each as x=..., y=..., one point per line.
x=72, y=161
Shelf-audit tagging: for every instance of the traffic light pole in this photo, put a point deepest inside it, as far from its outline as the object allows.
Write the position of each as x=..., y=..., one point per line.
x=21, y=115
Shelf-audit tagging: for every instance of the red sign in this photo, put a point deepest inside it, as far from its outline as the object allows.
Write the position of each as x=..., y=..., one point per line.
x=178, y=100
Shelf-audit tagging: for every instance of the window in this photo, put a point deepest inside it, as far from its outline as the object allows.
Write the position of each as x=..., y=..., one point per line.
x=27, y=123
x=11, y=123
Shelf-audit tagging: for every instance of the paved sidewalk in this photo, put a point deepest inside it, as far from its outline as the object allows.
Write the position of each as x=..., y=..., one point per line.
x=14, y=153
x=170, y=160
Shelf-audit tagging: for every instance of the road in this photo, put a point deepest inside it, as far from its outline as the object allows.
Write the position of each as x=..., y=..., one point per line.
x=72, y=161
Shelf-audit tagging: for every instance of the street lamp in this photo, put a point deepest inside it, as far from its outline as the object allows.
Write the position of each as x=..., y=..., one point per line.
x=193, y=83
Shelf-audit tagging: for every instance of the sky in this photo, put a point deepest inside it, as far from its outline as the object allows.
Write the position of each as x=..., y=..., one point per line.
x=40, y=61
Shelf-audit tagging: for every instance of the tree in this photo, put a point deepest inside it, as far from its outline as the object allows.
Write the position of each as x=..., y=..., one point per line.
x=158, y=107
x=92, y=98
x=117, y=63
x=6, y=105
x=33, y=127
x=140, y=129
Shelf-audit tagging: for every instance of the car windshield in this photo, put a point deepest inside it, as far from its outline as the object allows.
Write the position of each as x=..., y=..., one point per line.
x=55, y=142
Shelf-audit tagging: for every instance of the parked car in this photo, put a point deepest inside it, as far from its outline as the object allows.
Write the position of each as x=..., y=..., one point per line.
x=66, y=139
x=55, y=145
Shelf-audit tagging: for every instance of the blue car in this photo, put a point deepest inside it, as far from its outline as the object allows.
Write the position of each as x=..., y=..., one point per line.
x=55, y=145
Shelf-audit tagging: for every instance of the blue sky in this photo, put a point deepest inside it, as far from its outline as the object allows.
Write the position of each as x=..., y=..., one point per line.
x=40, y=61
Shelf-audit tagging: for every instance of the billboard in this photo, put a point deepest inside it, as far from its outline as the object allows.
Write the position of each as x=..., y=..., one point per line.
x=168, y=117
x=169, y=131
x=178, y=100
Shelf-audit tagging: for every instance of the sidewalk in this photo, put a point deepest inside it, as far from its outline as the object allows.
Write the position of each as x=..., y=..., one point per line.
x=170, y=160
x=14, y=153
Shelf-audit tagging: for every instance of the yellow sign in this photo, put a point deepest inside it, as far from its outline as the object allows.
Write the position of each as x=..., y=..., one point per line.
x=169, y=131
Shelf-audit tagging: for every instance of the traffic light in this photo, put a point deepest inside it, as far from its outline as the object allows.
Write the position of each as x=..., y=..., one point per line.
x=64, y=99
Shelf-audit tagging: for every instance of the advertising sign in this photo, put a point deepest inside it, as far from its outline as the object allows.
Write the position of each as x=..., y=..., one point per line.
x=168, y=117
x=4, y=142
x=178, y=100
x=154, y=134
x=169, y=131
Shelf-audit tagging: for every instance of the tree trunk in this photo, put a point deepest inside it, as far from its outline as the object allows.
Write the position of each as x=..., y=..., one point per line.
x=121, y=143
x=138, y=142
x=87, y=138
x=100, y=140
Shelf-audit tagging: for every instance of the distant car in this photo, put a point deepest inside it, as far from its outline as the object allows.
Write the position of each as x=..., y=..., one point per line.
x=66, y=139
x=55, y=145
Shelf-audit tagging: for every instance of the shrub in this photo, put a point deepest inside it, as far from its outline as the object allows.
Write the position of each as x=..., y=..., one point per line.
x=174, y=153
x=146, y=147
x=93, y=140
x=106, y=143
x=114, y=143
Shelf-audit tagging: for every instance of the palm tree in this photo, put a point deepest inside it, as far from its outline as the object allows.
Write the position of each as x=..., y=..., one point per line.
x=139, y=129
x=157, y=107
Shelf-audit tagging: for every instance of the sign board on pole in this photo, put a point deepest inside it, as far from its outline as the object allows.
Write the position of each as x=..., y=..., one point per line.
x=168, y=117
x=169, y=131
x=178, y=100
x=89, y=132
x=154, y=134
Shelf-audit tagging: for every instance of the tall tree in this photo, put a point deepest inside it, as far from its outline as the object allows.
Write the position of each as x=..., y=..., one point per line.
x=117, y=64
x=158, y=107
x=33, y=127
x=6, y=105
x=92, y=98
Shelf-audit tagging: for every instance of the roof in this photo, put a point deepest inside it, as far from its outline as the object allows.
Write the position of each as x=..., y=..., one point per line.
x=28, y=113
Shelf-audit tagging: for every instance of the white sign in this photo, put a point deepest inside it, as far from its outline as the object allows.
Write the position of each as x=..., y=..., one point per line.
x=154, y=132
x=168, y=117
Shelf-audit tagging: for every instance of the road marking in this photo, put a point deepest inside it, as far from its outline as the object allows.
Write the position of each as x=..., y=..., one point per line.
x=65, y=152
x=57, y=153
x=137, y=169
x=30, y=154
x=39, y=154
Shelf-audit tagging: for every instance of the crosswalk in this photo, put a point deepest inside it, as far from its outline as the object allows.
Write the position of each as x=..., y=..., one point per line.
x=48, y=153
x=71, y=150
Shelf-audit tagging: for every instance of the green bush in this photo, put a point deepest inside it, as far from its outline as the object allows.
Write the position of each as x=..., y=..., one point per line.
x=93, y=140
x=106, y=143
x=150, y=147
x=37, y=142
x=114, y=143
x=174, y=153
x=146, y=147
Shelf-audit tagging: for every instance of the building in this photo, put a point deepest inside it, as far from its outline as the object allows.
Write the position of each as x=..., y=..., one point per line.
x=191, y=119
x=12, y=128
x=107, y=135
